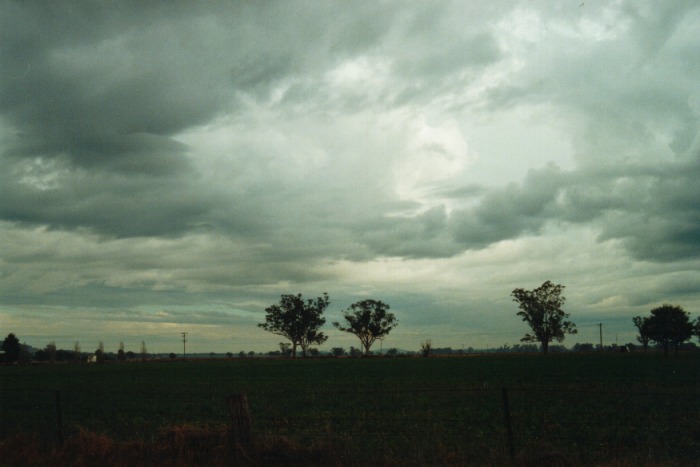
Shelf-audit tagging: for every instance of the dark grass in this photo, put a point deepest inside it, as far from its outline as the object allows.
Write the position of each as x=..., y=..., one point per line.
x=587, y=408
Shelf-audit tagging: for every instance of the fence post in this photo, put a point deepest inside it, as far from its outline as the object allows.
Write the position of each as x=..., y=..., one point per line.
x=240, y=436
x=509, y=425
x=59, y=416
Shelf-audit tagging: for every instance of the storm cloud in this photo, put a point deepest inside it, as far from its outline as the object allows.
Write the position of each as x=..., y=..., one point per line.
x=212, y=156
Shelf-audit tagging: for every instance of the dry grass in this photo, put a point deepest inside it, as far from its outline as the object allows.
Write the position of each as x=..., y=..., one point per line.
x=183, y=445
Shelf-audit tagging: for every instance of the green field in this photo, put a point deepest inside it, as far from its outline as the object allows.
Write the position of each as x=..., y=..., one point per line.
x=589, y=409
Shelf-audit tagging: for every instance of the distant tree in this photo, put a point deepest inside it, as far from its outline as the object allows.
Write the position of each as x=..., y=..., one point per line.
x=121, y=355
x=172, y=355
x=130, y=355
x=585, y=347
x=314, y=352
x=229, y=354
x=251, y=354
x=425, y=347
x=392, y=352
x=241, y=354
x=51, y=351
x=41, y=355
x=669, y=325
x=369, y=320
x=642, y=325
x=697, y=328
x=297, y=320
x=76, y=351
x=100, y=352
x=541, y=309
x=285, y=349
x=355, y=352
x=337, y=351
x=12, y=348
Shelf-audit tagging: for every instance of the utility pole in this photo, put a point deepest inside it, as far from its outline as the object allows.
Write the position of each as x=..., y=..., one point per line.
x=600, y=325
x=184, y=342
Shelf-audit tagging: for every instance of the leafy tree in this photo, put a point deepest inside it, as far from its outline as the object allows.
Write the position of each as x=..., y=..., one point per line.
x=541, y=309
x=369, y=320
x=669, y=325
x=697, y=328
x=337, y=351
x=12, y=348
x=642, y=324
x=297, y=320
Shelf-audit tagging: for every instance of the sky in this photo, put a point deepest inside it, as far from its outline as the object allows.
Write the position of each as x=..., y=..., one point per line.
x=172, y=167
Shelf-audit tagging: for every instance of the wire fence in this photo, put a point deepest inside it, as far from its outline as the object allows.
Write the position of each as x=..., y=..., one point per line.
x=447, y=425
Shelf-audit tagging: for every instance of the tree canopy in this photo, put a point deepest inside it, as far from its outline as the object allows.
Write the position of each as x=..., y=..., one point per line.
x=369, y=320
x=12, y=348
x=541, y=309
x=297, y=320
x=642, y=324
x=669, y=325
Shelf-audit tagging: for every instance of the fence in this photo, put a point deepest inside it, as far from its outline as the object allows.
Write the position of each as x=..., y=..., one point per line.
x=444, y=425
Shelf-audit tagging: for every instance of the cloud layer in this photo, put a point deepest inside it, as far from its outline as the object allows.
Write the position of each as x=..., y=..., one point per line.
x=179, y=155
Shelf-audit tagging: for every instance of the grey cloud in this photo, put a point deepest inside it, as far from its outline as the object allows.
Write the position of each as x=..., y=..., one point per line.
x=422, y=236
x=508, y=212
x=109, y=203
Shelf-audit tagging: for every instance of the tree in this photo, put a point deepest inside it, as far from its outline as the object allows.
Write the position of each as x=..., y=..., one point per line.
x=12, y=348
x=121, y=355
x=642, y=324
x=51, y=351
x=297, y=320
x=541, y=309
x=369, y=320
x=100, y=352
x=285, y=349
x=425, y=347
x=669, y=325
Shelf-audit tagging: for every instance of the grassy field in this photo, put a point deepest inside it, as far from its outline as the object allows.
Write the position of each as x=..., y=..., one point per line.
x=628, y=409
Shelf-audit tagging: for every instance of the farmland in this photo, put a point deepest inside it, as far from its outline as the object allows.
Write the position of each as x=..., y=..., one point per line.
x=585, y=408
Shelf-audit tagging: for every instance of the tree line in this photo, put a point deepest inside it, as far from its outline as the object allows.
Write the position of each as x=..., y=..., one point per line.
x=300, y=321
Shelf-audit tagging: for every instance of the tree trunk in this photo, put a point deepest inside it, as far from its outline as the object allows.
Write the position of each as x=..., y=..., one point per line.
x=545, y=347
x=294, y=350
